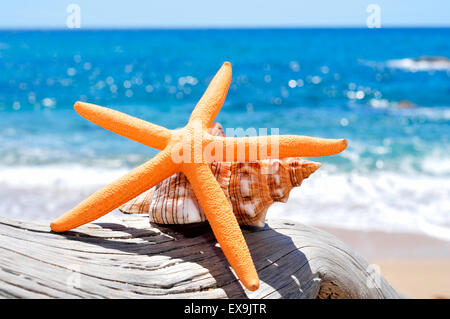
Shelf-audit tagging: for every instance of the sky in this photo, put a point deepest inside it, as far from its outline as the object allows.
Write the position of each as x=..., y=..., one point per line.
x=44, y=14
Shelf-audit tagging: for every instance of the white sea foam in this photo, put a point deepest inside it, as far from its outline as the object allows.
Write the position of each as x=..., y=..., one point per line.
x=44, y=193
x=434, y=114
x=420, y=64
x=384, y=201
x=62, y=176
x=377, y=201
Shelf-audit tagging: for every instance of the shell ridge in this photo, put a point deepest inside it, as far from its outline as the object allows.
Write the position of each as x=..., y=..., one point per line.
x=142, y=207
x=184, y=209
x=237, y=190
x=253, y=187
x=292, y=175
x=165, y=200
x=152, y=204
x=183, y=197
x=160, y=204
x=156, y=206
x=266, y=182
x=176, y=190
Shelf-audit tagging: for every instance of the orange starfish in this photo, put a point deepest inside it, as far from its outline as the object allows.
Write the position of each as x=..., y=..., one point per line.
x=190, y=150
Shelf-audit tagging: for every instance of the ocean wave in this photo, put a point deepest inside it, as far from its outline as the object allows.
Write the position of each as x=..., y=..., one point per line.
x=62, y=176
x=420, y=64
x=387, y=201
x=45, y=192
x=432, y=114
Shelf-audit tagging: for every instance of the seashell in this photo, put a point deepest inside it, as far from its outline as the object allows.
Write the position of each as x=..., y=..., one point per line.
x=250, y=187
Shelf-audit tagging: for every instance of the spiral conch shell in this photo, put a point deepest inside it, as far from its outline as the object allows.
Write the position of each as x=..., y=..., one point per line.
x=250, y=187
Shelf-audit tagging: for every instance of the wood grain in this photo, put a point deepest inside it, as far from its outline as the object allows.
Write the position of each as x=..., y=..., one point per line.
x=129, y=258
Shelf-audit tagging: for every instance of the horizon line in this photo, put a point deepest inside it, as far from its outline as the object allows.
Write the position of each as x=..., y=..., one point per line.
x=143, y=28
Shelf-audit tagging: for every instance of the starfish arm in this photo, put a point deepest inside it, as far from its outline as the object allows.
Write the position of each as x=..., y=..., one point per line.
x=212, y=100
x=120, y=123
x=223, y=222
x=277, y=146
x=117, y=193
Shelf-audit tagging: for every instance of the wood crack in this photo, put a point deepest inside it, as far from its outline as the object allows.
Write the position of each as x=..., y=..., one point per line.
x=293, y=261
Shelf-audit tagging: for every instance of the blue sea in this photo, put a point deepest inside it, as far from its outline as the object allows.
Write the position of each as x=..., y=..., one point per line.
x=386, y=90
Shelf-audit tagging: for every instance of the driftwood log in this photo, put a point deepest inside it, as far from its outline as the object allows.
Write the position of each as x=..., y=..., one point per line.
x=129, y=258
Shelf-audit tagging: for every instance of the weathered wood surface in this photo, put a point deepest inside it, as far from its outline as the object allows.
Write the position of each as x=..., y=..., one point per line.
x=130, y=258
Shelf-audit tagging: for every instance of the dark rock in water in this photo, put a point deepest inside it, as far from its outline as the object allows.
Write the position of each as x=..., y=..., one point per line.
x=424, y=63
x=405, y=104
x=432, y=59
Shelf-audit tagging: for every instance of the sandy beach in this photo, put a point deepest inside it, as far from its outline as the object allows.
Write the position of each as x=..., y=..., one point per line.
x=418, y=278
x=416, y=265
